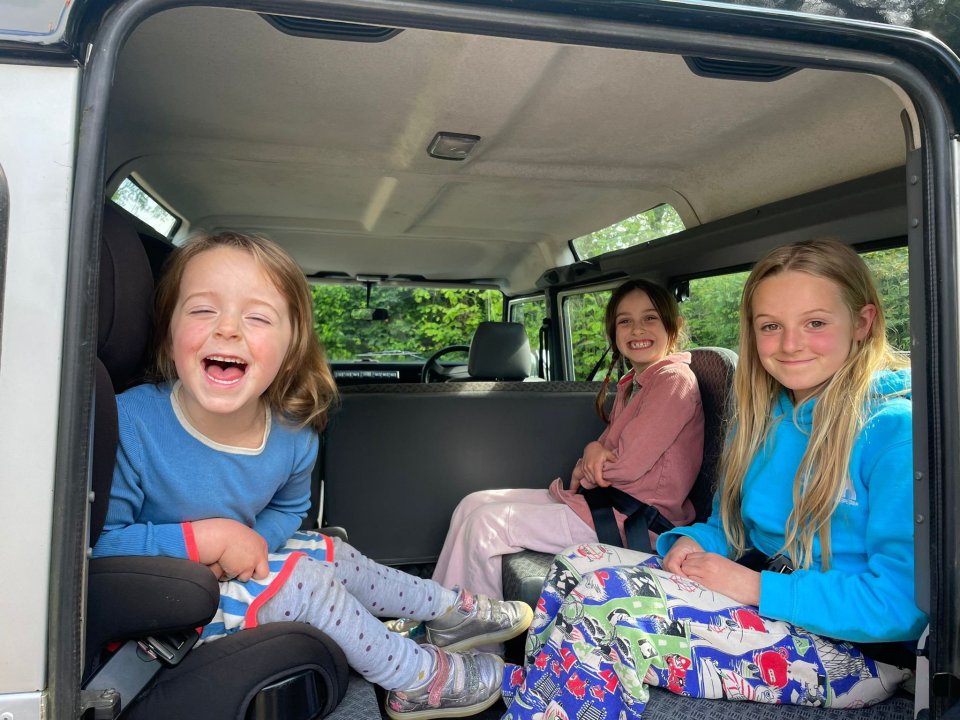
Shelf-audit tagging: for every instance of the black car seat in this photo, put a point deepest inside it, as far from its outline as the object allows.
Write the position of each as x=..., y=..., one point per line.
x=524, y=572
x=287, y=670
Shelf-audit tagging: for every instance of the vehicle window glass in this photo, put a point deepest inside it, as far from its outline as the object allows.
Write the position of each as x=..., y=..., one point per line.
x=654, y=223
x=530, y=313
x=135, y=200
x=586, y=341
x=712, y=311
x=889, y=268
x=401, y=324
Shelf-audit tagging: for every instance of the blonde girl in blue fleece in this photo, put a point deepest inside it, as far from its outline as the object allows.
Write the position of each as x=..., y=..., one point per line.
x=800, y=587
x=214, y=465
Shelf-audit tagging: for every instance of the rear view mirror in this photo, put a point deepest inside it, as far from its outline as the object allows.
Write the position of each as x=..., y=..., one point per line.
x=377, y=314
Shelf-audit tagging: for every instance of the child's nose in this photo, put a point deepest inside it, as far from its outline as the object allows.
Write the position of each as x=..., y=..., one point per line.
x=792, y=340
x=227, y=326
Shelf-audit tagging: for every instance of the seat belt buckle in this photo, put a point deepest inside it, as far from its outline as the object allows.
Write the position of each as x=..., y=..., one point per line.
x=169, y=648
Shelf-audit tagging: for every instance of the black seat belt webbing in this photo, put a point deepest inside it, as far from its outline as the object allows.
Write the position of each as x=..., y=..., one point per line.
x=641, y=518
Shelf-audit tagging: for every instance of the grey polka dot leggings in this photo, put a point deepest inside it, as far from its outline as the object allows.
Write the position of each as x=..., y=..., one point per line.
x=343, y=599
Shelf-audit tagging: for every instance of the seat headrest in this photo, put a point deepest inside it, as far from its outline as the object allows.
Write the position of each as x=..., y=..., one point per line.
x=499, y=351
x=126, y=299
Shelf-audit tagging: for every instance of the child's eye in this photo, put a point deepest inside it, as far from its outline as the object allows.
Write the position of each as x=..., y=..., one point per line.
x=817, y=324
x=200, y=311
x=623, y=321
x=651, y=318
x=768, y=327
x=260, y=319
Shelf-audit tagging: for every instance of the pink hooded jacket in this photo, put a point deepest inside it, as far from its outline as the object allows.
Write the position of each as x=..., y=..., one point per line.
x=657, y=435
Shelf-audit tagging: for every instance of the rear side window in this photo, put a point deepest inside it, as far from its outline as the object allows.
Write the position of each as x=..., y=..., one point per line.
x=585, y=338
x=712, y=310
x=136, y=201
x=657, y=222
x=530, y=313
x=889, y=268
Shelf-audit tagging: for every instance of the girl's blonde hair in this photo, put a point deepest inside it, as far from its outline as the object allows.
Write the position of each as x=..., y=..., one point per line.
x=665, y=305
x=303, y=390
x=838, y=414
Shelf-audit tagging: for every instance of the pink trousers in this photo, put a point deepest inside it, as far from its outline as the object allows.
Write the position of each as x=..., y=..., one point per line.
x=491, y=523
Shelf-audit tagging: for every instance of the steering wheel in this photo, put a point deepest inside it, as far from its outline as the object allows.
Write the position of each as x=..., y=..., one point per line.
x=433, y=370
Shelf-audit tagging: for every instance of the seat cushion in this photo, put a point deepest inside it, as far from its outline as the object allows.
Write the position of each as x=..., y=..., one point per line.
x=523, y=574
x=218, y=680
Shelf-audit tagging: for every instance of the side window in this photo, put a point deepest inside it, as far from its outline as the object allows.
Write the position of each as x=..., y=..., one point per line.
x=712, y=311
x=529, y=312
x=584, y=333
x=657, y=222
x=136, y=201
x=889, y=268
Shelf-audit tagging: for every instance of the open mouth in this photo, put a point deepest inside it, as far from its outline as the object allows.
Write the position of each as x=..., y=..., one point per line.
x=224, y=370
x=640, y=344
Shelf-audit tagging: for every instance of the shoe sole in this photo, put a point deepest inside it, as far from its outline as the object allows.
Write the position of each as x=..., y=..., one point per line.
x=494, y=637
x=465, y=711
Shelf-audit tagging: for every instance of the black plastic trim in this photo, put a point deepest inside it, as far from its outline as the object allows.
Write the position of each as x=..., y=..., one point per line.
x=329, y=29
x=718, y=69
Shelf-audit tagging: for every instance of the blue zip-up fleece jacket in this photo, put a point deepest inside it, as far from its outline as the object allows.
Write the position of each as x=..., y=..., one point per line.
x=867, y=594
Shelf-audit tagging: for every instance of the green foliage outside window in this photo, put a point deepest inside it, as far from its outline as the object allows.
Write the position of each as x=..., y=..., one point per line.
x=421, y=320
x=132, y=198
x=649, y=225
x=712, y=312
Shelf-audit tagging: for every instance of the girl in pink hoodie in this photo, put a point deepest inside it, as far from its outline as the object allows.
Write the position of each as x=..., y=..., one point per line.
x=651, y=449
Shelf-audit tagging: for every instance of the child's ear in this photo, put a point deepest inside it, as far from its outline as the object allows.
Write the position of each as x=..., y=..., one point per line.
x=864, y=322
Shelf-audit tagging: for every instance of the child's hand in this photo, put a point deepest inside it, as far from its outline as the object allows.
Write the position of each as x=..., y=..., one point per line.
x=239, y=551
x=673, y=560
x=245, y=556
x=594, y=456
x=577, y=478
x=723, y=575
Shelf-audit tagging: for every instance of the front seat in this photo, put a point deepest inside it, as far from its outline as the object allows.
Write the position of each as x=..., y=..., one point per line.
x=499, y=351
x=287, y=670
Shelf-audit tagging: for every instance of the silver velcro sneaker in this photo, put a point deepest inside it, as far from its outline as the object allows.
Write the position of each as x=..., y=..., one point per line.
x=464, y=684
x=477, y=620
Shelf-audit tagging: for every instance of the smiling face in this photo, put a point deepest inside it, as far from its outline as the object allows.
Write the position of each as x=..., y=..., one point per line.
x=641, y=336
x=229, y=333
x=804, y=331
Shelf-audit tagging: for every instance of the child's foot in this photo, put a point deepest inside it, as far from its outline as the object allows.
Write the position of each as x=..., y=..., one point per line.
x=477, y=620
x=463, y=684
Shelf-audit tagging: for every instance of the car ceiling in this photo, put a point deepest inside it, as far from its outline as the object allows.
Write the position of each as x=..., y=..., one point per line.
x=321, y=144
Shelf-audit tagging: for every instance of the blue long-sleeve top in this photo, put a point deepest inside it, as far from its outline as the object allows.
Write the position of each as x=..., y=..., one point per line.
x=867, y=595
x=169, y=474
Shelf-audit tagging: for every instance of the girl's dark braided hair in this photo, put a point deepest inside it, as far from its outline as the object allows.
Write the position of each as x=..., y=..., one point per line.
x=667, y=308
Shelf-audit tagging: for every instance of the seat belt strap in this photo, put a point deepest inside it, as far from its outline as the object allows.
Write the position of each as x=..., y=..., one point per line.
x=641, y=518
x=133, y=666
